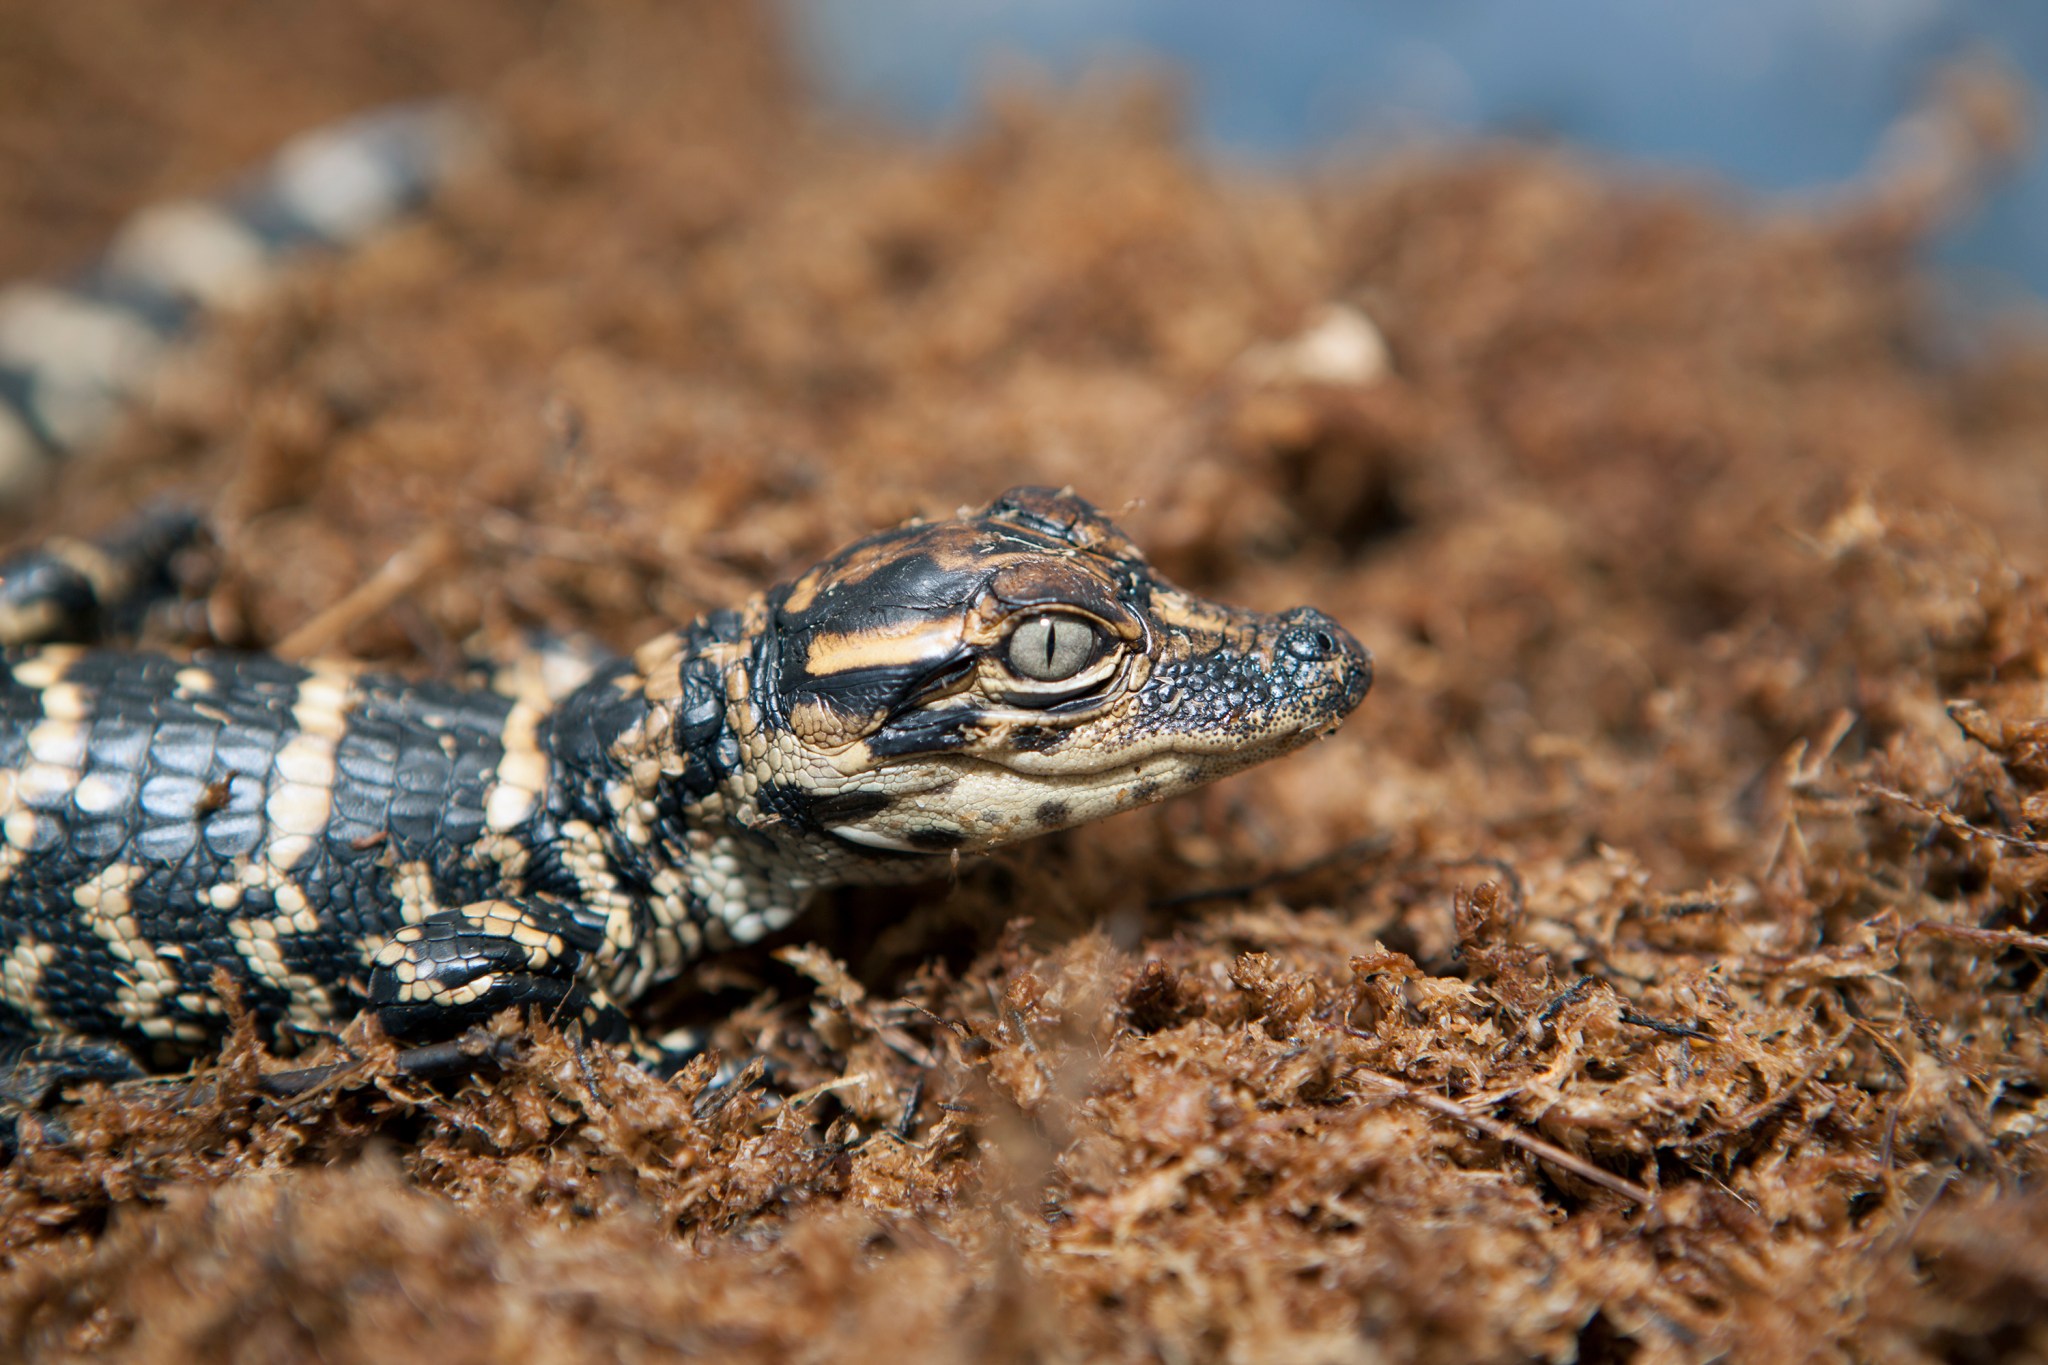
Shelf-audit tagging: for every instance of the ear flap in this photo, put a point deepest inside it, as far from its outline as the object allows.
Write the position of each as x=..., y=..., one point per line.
x=1059, y=514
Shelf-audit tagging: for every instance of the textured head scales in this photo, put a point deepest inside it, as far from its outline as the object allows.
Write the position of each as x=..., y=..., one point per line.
x=968, y=683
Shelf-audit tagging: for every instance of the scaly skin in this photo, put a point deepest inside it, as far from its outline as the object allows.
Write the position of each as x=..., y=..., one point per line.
x=336, y=839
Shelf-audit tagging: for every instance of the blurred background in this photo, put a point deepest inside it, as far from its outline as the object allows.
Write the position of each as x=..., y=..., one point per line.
x=1774, y=95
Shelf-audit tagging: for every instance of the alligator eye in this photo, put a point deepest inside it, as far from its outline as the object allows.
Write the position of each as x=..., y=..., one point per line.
x=1052, y=648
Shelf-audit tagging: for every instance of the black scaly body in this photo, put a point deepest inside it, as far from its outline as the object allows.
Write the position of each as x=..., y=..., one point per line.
x=334, y=839
x=146, y=793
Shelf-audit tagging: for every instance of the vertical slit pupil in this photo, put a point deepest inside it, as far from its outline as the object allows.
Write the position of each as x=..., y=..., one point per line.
x=1052, y=649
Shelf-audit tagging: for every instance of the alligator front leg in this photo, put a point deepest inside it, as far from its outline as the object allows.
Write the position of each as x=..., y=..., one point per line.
x=459, y=967
x=35, y=1070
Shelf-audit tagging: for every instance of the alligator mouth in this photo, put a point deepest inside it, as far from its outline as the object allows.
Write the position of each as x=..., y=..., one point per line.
x=975, y=802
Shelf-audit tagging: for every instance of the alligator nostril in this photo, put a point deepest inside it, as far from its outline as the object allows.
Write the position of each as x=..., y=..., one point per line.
x=1313, y=640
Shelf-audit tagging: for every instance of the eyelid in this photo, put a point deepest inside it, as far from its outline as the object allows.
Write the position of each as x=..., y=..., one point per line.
x=1085, y=686
x=1019, y=619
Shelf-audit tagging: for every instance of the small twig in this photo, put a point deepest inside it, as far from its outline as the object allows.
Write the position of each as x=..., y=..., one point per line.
x=1675, y=1030
x=905, y=1046
x=1492, y=1127
x=454, y=1057
x=393, y=579
x=578, y=1050
x=1990, y=938
x=1013, y=1019
x=907, y=1123
x=823, y=1088
x=1948, y=819
x=1355, y=850
x=1904, y=1235
x=1897, y=1059
x=718, y=1097
x=1568, y=995
x=1807, y=772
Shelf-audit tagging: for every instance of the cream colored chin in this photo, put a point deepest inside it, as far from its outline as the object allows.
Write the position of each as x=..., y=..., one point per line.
x=987, y=804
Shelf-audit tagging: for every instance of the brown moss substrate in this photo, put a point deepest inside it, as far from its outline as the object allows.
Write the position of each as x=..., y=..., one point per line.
x=1651, y=970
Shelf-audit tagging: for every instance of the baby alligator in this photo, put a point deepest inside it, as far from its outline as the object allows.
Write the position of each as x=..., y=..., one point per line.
x=336, y=839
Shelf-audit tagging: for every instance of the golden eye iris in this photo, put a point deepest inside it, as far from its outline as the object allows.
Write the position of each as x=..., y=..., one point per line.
x=1052, y=648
